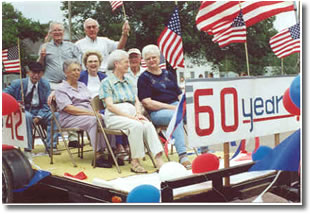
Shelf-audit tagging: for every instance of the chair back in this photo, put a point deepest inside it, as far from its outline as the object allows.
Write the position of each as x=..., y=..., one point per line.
x=96, y=103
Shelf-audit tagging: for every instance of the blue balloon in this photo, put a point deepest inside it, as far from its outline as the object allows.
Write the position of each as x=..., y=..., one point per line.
x=261, y=152
x=144, y=194
x=295, y=91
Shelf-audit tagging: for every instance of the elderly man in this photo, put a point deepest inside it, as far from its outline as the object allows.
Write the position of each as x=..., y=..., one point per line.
x=53, y=54
x=36, y=91
x=104, y=45
x=135, y=68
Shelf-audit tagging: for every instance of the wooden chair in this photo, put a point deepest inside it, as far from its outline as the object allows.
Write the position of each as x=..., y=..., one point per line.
x=97, y=105
x=62, y=130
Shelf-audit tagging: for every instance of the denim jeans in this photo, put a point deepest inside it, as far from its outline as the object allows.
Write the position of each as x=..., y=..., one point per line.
x=45, y=120
x=162, y=118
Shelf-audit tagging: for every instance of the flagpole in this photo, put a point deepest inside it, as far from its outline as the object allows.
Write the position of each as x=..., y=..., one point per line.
x=20, y=72
x=247, y=57
x=125, y=16
x=282, y=66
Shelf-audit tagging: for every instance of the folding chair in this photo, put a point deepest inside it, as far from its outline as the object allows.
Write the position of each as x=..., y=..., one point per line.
x=61, y=130
x=97, y=105
x=41, y=131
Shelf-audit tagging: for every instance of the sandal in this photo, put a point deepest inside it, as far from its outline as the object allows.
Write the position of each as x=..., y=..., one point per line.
x=138, y=169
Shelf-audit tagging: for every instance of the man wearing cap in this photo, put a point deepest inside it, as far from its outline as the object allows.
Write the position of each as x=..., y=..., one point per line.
x=36, y=91
x=135, y=69
x=104, y=45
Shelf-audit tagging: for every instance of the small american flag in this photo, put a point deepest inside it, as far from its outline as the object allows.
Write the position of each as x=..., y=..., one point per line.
x=170, y=42
x=116, y=4
x=10, y=60
x=286, y=42
x=236, y=33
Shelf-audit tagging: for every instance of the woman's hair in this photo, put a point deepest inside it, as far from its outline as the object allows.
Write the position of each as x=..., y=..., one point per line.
x=67, y=63
x=89, y=53
x=116, y=56
x=150, y=49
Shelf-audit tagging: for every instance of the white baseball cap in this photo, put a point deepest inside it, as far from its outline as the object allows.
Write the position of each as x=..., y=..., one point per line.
x=134, y=50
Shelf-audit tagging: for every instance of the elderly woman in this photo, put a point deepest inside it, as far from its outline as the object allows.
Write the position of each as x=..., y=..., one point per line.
x=159, y=93
x=123, y=112
x=73, y=103
x=91, y=77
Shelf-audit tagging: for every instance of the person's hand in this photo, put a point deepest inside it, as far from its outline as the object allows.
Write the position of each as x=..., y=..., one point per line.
x=139, y=116
x=36, y=120
x=43, y=52
x=51, y=98
x=125, y=28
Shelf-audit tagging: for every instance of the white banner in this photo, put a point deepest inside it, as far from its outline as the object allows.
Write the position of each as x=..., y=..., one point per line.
x=14, y=129
x=224, y=110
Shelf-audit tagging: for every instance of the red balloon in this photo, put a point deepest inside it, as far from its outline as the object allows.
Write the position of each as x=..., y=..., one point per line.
x=9, y=104
x=205, y=163
x=288, y=103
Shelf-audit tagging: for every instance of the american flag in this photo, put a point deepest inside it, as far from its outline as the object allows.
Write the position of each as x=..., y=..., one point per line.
x=236, y=33
x=170, y=42
x=286, y=42
x=116, y=4
x=10, y=60
x=216, y=16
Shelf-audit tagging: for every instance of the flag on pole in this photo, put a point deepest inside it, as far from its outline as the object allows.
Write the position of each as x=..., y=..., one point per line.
x=236, y=33
x=177, y=117
x=10, y=60
x=216, y=15
x=286, y=42
x=116, y=4
x=170, y=41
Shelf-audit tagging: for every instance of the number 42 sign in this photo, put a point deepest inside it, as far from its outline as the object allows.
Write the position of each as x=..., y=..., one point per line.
x=14, y=129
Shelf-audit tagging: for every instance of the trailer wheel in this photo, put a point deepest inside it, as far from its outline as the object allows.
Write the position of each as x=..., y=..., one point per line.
x=7, y=184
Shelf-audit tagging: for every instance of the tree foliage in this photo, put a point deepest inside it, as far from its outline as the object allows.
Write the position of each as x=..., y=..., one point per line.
x=15, y=25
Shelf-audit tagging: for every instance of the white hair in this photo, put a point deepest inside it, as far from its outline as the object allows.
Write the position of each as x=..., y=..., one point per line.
x=88, y=20
x=69, y=62
x=116, y=56
x=53, y=24
x=150, y=49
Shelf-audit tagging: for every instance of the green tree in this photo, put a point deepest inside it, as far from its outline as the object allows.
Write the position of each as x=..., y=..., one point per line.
x=147, y=19
x=14, y=26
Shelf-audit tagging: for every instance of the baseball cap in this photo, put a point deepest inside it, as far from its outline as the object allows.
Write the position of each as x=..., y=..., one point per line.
x=134, y=50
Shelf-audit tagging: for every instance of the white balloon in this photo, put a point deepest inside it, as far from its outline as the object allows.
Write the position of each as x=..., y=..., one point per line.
x=171, y=170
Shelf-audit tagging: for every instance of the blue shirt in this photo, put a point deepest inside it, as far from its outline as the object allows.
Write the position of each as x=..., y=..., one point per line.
x=162, y=88
x=120, y=90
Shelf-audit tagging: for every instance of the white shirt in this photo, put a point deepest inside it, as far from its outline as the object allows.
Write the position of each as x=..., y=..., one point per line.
x=134, y=77
x=35, y=97
x=102, y=44
x=93, y=85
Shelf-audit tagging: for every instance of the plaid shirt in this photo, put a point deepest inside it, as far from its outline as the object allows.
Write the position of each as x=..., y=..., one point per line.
x=120, y=90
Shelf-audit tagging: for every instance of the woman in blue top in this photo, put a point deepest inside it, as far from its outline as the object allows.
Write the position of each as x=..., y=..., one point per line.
x=159, y=93
x=91, y=77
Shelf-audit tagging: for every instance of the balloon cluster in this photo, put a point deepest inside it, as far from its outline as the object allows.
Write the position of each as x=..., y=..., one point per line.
x=291, y=97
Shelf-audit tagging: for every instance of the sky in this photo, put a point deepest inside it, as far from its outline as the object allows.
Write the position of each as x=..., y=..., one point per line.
x=37, y=10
